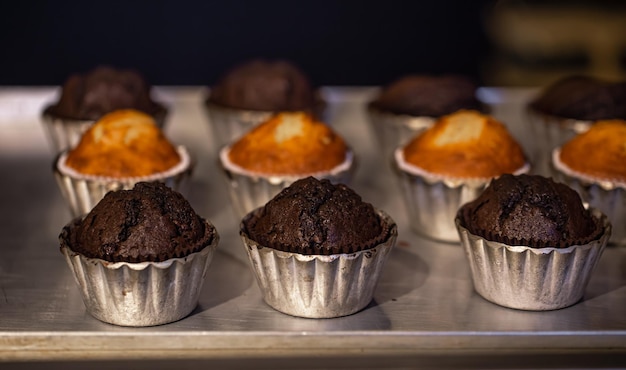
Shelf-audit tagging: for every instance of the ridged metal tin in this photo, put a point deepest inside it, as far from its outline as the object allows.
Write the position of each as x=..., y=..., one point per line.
x=317, y=286
x=607, y=196
x=536, y=279
x=432, y=201
x=549, y=132
x=249, y=190
x=65, y=133
x=83, y=192
x=139, y=294
x=394, y=130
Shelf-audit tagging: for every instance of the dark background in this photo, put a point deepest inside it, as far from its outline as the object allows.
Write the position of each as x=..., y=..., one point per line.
x=193, y=42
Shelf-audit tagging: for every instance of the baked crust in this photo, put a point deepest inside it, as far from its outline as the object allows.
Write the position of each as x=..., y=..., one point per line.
x=289, y=144
x=599, y=152
x=124, y=143
x=466, y=144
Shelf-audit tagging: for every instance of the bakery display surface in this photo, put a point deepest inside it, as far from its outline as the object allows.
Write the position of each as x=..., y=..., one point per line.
x=424, y=309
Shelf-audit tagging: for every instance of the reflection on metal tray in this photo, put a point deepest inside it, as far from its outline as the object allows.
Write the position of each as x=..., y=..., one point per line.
x=424, y=302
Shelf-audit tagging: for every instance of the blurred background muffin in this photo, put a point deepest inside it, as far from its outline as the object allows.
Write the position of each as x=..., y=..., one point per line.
x=275, y=153
x=413, y=102
x=530, y=242
x=119, y=150
x=569, y=107
x=251, y=92
x=592, y=163
x=450, y=164
x=317, y=249
x=140, y=256
x=86, y=97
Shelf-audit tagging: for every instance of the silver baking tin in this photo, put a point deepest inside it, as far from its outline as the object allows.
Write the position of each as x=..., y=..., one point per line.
x=249, y=191
x=393, y=130
x=318, y=286
x=536, y=279
x=549, y=132
x=65, y=133
x=607, y=196
x=139, y=294
x=432, y=201
x=83, y=192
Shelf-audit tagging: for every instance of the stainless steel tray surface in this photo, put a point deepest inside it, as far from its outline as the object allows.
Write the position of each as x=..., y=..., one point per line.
x=424, y=302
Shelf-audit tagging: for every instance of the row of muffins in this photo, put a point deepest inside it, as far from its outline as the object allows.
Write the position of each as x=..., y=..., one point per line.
x=298, y=119
x=317, y=250
x=296, y=148
x=597, y=240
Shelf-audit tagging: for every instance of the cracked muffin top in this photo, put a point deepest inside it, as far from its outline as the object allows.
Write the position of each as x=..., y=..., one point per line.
x=466, y=144
x=124, y=143
x=316, y=217
x=530, y=210
x=149, y=223
x=293, y=143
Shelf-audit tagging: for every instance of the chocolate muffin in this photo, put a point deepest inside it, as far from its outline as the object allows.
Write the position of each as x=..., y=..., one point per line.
x=140, y=257
x=583, y=98
x=431, y=96
x=150, y=222
x=530, y=210
x=317, y=217
x=102, y=90
x=264, y=85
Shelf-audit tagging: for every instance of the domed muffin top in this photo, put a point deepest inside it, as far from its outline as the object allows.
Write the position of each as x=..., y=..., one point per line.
x=316, y=217
x=530, y=210
x=150, y=222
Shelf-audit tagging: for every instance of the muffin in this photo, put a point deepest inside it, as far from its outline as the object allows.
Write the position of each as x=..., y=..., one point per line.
x=451, y=163
x=251, y=92
x=317, y=249
x=140, y=256
x=85, y=98
x=592, y=163
x=287, y=147
x=413, y=102
x=569, y=107
x=119, y=150
x=530, y=242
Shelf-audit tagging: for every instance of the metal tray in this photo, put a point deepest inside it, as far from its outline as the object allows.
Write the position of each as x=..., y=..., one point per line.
x=424, y=308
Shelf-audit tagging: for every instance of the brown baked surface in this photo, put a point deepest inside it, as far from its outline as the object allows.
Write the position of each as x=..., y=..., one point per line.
x=264, y=85
x=466, y=144
x=530, y=210
x=599, y=152
x=150, y=222
x=431, y=96
x=317, y=217
x=124, y=143
x=289, y=144
x=103, y=90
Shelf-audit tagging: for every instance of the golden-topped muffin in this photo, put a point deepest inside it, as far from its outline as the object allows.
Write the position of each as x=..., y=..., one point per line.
x=289, y=144
x=124, y=143
x=600, y=152
x=466, y=144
